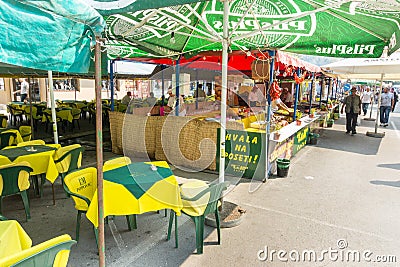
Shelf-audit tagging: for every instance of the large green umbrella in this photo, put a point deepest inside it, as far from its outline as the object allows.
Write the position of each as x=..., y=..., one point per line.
x=326, y=28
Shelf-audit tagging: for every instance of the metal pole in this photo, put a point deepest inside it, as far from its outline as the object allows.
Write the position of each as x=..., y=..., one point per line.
x=30, y=106
x=112, y=83
x=311, y=91
x=225, y=45
x=177, y=93
x=296, y=96
x=99, y=152
x=320, y=92
x=197, y=89
x=268, y=114
x=379, y=104
x=372, y=102
x=162, y=86
x=53, y=106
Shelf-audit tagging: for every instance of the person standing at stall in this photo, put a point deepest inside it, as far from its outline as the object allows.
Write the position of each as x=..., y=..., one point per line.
x=387, y=104
x=352, y=106
x=366, y=99
x=287, y=97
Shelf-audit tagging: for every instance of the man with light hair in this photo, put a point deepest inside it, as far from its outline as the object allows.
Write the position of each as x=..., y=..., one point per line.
x=366, y=99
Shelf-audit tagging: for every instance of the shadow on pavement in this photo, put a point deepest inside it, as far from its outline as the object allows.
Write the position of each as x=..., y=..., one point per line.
x=395, y=166
x=359, y=143
x=387, y=183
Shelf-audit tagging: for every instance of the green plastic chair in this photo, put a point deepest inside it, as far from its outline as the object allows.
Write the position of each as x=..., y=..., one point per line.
x=14, y=179
x=67, y=159
x=14, y=114
x=76, y=115
x=53, y=252
x=6, y=139
x=198, y=214
x=81, y=186
x=2, y=218
x=26, y=132
x=35, y=116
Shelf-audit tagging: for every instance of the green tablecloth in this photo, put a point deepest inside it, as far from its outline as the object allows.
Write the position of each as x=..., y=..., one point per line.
x=14, y=153
x=137, y=177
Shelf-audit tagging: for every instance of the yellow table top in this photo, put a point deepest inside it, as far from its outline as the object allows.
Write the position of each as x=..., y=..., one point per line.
x=13, y=238
x=42, y=162
x=162, y=192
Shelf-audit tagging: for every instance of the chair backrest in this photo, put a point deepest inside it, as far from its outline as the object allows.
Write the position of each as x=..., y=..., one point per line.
x=81, y=185
x=69, y=158
x=76, y=113
x=208, y=196
x=215, y=194
x=3, y=121
x=26, y=132
x=28, y=111
x=6, y=139
x=14, y=178
x=32, y=142
x=116, y=163
x=53, y=252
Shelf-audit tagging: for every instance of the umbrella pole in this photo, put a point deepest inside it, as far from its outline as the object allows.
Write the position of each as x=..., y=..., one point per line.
x=372, y=104
x=376, y=134
x=177, y=81
x=311, y=91
x=99, y=152
x=112, y=83
x=53, y=107
x=268, y=114
x=224, y=84
x=296, y=96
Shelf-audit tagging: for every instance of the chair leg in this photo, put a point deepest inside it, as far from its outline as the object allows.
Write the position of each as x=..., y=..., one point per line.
x=42, y=181
x=96, y=235
x=218, y=226
x=171, y=220
x=78, y=224
x=36, y=185
x=25, y=200
x=199, y=224
x=131, y=220
x=54, y=196
x=176, y=230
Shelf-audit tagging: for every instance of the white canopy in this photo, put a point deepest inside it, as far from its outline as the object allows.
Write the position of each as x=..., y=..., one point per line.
x=368, y=69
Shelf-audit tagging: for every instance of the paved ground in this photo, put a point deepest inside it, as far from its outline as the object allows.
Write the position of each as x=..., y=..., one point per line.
x=342, y=192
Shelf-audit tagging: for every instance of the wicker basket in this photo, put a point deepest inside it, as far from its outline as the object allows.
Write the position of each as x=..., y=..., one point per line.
x=116, y=121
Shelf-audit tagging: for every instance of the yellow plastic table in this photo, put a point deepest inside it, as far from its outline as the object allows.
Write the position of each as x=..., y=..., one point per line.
x=135, y=189
x=40, y=160
x=13, y=238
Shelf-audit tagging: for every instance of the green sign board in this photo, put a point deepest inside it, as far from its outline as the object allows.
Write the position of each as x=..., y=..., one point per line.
x=244, y=154
x=300, y=140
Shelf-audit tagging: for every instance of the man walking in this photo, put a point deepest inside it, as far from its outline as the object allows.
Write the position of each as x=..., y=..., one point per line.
x=387, y=103
x=366, y=99
x=352, y=103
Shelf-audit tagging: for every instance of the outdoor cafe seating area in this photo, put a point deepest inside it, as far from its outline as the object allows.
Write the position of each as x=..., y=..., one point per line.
x=34, y=169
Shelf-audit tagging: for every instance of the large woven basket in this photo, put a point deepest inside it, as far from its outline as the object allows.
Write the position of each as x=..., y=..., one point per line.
x=116, y=121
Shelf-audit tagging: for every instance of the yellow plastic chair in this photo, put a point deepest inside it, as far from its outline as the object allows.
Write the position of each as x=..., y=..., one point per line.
x=51, y=253
x=76, y=116
x=32, y=143
x=81, y=186
x=35, y=116
x=116, y=163
x=26, y=132
x=199, y=200
x=3, y=119
x=14, y=179
x=68, y=158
